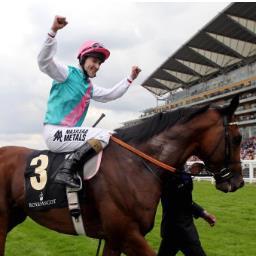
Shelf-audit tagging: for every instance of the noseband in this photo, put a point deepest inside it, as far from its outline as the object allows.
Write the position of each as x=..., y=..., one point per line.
x=225, y=173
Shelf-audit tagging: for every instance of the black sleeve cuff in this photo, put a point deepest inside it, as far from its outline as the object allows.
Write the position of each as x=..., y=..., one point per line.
x=197, y=210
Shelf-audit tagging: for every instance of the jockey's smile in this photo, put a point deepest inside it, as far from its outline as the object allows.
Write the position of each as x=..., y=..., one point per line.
x=91, y=66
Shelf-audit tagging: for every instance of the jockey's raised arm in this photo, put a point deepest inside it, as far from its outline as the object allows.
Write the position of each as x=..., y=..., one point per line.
x=69, y=99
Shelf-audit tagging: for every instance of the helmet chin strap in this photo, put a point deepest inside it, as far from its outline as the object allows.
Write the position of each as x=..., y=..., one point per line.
x=85, y=72
x=81, y=63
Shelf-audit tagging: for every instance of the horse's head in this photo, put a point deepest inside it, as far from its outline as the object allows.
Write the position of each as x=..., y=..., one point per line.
x=208, y=132
x=220, y=147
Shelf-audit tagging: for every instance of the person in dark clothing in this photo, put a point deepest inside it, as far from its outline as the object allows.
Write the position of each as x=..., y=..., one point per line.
x=178, y=230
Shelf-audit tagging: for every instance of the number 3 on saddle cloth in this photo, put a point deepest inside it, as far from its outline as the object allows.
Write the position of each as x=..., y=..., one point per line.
x=41, y=191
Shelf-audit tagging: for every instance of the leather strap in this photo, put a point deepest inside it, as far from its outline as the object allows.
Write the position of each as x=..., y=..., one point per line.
x=143, y=155
x=75, y=211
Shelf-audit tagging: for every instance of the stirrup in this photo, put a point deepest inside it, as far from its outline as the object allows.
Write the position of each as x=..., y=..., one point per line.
x=72, y=189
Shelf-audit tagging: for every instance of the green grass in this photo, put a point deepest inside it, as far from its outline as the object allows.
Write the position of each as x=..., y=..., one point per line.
x=234, y=233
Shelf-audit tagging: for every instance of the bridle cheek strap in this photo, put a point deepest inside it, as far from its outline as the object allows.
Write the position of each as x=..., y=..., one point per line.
x=225, y=174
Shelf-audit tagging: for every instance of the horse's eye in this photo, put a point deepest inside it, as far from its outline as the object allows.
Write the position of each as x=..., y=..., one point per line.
x=237, y=140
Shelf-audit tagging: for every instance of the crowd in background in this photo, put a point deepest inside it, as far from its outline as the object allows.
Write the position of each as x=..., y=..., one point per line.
x=248, y=149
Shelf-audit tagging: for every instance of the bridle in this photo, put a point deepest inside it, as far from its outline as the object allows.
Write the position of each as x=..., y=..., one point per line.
x=225, y=173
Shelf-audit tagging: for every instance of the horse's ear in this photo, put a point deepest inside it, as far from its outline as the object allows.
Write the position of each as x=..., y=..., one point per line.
x=231, y=108
x=234, y=104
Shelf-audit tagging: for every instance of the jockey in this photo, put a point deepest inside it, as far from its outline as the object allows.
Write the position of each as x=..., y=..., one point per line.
x=69, y=100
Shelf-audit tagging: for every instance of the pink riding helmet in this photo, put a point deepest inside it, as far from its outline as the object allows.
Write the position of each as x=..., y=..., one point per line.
x=93, y=46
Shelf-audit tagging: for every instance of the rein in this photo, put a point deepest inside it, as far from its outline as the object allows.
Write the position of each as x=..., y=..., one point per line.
x=143, y=155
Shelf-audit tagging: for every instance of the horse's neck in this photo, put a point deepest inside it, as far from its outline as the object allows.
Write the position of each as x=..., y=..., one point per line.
x=175, y=145
x=172, y=147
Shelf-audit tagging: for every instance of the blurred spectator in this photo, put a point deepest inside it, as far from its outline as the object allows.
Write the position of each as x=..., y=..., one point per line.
x=248, y=149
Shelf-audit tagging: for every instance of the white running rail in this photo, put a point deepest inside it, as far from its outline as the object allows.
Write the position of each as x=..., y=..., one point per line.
x=249, y=172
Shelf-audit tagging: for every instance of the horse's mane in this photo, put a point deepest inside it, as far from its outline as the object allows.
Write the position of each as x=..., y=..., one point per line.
x=157, y=123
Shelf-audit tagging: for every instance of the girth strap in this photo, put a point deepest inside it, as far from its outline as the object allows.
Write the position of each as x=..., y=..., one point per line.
x=75, y=211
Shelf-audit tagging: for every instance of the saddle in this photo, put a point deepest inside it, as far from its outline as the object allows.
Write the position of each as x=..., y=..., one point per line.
x=42, y=193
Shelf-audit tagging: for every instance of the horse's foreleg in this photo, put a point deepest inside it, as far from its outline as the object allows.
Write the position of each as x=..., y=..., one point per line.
x=108, y=251
x=135, y=244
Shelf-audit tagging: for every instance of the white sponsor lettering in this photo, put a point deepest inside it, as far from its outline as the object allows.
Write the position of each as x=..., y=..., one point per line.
x=42, y=203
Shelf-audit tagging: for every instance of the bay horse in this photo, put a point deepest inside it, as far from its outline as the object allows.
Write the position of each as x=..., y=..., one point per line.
x=121, y=200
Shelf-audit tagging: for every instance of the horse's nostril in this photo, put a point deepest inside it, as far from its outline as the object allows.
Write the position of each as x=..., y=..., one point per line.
x=242, y=184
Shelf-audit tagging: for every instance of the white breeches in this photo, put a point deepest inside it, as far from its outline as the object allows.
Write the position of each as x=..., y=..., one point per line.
x=65, y=139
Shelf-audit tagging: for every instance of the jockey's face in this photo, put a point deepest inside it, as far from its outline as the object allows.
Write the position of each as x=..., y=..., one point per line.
x=91, y=66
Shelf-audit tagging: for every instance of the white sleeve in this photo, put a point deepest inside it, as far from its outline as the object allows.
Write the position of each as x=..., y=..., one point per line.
x=48, y=64
x=107, y=94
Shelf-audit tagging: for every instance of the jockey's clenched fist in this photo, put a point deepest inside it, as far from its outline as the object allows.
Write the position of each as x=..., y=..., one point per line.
x=59, y=23
x=135, y=72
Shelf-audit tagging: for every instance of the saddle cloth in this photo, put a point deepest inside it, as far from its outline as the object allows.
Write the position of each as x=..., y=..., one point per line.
x=41, y=191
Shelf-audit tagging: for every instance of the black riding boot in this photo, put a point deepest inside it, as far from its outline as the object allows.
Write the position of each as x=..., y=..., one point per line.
x=65, y=175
